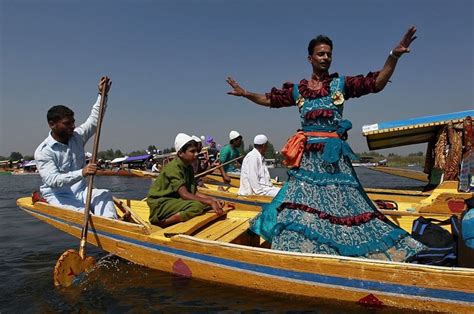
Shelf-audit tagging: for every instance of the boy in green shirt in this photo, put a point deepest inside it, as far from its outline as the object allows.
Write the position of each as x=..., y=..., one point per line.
x=173, y=197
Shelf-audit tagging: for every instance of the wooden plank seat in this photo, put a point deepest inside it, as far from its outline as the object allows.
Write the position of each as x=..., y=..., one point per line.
x=194, y=224
x=225, y=230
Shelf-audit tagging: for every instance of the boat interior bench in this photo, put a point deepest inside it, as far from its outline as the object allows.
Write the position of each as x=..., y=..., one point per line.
x=230, y=228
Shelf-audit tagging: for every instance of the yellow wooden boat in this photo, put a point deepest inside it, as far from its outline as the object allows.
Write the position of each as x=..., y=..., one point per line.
x=234, y=179
x=216, y=177
x=401, y=172
x=221, y=250
x=144, y=174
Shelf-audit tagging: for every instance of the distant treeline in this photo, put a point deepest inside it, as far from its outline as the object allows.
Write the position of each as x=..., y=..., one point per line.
x=395, y=160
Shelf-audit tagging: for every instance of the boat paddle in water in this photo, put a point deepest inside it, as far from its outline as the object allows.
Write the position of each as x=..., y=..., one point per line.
x=72, y=263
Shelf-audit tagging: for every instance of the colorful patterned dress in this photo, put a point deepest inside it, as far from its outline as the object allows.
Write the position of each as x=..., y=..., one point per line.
x=323, y=208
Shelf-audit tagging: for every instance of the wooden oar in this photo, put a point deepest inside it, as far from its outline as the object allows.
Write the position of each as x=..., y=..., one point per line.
x=202, y=174
x=73, y=263
x=133, y=214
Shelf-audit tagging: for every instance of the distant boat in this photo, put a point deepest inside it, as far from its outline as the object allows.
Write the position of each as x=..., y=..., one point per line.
x=365, y=162
x=270, y=163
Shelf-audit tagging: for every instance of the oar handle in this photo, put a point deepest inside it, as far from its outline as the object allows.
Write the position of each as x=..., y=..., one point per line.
x=82, y=247
x=202, y=174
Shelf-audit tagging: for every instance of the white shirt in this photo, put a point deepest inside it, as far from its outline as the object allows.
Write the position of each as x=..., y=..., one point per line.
x=60, y=165
x=254, y=176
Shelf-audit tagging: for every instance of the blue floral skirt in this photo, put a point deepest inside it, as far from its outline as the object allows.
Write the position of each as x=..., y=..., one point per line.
x=323, y=209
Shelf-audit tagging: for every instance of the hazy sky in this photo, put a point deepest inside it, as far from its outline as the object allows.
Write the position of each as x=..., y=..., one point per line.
x=169, y=59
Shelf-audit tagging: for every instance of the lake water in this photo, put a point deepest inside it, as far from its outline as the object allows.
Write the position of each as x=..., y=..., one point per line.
x=30, y=248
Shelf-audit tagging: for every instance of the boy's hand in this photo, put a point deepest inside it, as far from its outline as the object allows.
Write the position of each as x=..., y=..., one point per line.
x=217, y=207
x=226, y=179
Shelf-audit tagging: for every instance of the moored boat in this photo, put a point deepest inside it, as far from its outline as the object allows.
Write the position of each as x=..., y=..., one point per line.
x=220, y=249
x=401, y=172
x=235, y=179
x=116, y=172
x=144, y=174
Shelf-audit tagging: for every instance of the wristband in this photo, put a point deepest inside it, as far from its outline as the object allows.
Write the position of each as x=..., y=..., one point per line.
x=393, y=55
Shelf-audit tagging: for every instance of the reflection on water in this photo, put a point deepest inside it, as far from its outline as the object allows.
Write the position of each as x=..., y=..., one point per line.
x=30, y=248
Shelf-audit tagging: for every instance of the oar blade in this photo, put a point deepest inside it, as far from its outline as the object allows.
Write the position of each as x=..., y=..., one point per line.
x=69, y=266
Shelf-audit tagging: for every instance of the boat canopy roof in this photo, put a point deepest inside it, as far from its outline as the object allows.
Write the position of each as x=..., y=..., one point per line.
x=29, y=163
x=118, y=159
x=137, y=158
x=410, y=131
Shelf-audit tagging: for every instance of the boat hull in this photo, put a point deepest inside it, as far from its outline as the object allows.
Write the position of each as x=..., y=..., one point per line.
x=347, y=279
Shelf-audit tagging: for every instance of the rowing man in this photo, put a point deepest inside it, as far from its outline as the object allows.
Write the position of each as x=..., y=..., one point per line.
x=61, y=161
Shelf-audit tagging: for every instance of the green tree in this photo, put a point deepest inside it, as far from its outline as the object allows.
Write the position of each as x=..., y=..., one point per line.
x=152, y=149
x=15, y=156
x=270, y=153
x=137, y=153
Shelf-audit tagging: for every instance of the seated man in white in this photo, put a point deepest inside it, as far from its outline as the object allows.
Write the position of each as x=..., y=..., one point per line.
x=254, y=176
x=61, y=162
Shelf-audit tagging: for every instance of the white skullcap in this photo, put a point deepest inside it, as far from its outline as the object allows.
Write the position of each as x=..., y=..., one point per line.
x=233, y=135
x=196, y=139
x=203, y=138
x=260, y=139
x=181, y=140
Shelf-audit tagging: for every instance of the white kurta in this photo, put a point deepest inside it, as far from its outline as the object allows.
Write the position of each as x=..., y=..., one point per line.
x=60, y=166
x=254, y=176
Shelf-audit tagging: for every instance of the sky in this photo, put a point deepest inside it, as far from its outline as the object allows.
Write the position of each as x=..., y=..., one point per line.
x=168, y=61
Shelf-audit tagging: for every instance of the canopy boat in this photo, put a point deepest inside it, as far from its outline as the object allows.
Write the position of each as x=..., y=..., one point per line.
x=449, y=136
x=221, y=250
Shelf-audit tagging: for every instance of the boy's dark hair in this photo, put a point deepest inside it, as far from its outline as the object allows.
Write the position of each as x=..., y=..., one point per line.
x=57, y=113
x=321, y=39
x=188, y=145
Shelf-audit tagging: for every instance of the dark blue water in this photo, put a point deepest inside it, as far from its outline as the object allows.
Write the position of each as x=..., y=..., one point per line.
x=30, y=248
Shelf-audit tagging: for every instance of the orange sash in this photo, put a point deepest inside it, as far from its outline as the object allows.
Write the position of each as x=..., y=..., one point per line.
x=294, y=148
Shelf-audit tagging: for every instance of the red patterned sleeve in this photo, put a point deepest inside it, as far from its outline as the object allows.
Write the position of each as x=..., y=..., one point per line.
x=281, y=97
x=360, y=85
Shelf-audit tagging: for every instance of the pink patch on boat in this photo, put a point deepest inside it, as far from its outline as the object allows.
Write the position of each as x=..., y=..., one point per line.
x=180, y=268
x=370, y=300
x=456, y=206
